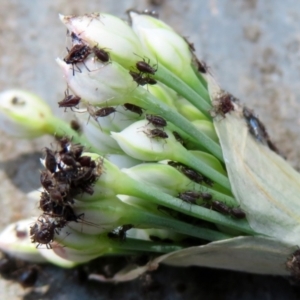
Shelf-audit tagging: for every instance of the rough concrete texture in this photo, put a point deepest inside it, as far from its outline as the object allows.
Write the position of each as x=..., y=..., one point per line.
x=251, y=46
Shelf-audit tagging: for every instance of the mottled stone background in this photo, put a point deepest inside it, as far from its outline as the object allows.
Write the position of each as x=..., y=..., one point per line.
x=253, y=49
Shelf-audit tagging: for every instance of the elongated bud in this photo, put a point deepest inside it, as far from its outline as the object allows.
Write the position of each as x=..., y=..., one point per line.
x=109, y=32
x=100, y=82
x=23, y=114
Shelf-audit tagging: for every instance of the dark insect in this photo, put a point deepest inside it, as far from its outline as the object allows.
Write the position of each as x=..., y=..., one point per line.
x=206, y=196
x=85, y=161
x=201, y=66
x=42, y=232
x=50, y=160
x=258, y=130
x=101, y=54
x=75, y=125
x=144, y=67
x=192, y=174
x=75, y=38
x=156, y=120
x=45, y=202
x=29, y=276
x=105, y=111
x=237, y=213
x=133, y=108
x=142, y=80
x=157, y=133
x=220, y=207
x=46, y=179
x=191, y=45
x=77, y=54
x=189, y=197
x=178, y=137
x=223, y=104
x=68, y=159
x=69, y=101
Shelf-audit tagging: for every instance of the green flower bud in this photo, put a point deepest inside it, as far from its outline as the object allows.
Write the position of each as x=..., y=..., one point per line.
x=23, y=114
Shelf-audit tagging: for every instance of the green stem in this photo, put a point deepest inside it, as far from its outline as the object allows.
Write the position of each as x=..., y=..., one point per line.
x=142, y=246
x=175, y=83
x=147, y=101
x=184, y=156
x=142, y=218
x=129, y=186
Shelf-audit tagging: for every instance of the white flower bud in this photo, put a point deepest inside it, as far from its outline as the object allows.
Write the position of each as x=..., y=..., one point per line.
x=109, y=32
x=135, y=141
x=102, y=83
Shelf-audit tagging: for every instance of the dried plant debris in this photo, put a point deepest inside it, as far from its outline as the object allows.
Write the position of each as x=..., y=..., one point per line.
x=68, y=173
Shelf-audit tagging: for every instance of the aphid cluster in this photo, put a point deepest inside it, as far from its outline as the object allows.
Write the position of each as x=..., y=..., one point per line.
x=258, y=130
x=80, y=51
x=193, y=196
x=143, y=73
x=190, y=173
x=68, y=173
x=223, y=105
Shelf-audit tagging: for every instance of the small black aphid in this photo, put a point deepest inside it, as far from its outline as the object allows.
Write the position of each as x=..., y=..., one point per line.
x=133, y=108
x=189, y=197
x=144, y=67
x=50, y=160
x=156, y=120
x=69, y=101
x=75, y=125
x=104, y=112
x=101, y=54
x=77, y=54
x=220, y=207
x=157, y=133
x=142, y=80
x=237, y=213
x=178, y=137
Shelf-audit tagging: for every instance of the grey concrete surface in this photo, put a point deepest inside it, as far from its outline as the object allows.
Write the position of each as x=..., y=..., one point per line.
x=253, y=49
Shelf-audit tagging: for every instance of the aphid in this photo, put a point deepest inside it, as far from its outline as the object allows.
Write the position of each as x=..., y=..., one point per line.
x=101, y=54
x=220, y=207
x=201, y=66
x=42, y=232
x=133, y=108
x=75, y=38
x=50, y=160
x=17, y=101
x=142, y=80
x=191, y=174
x=237, y=213
x=64, y=144
x=144, y=67
x=56, y=196
x=45, y=202
x=46, y=179
x=104, y=112
x=206, y=196
x=75, y=125
x=156, y=120
x=223, y=104
x=157, y=133
x=178, y=137
x=84, y=161
x=68, y=160
x=191, y=45
x=77, y=54
x=189, y=196
x=76, y=150
x=69, y=101
x=28, y=276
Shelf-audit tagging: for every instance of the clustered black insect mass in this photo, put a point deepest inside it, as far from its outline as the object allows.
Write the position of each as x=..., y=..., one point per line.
x=68, y=174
